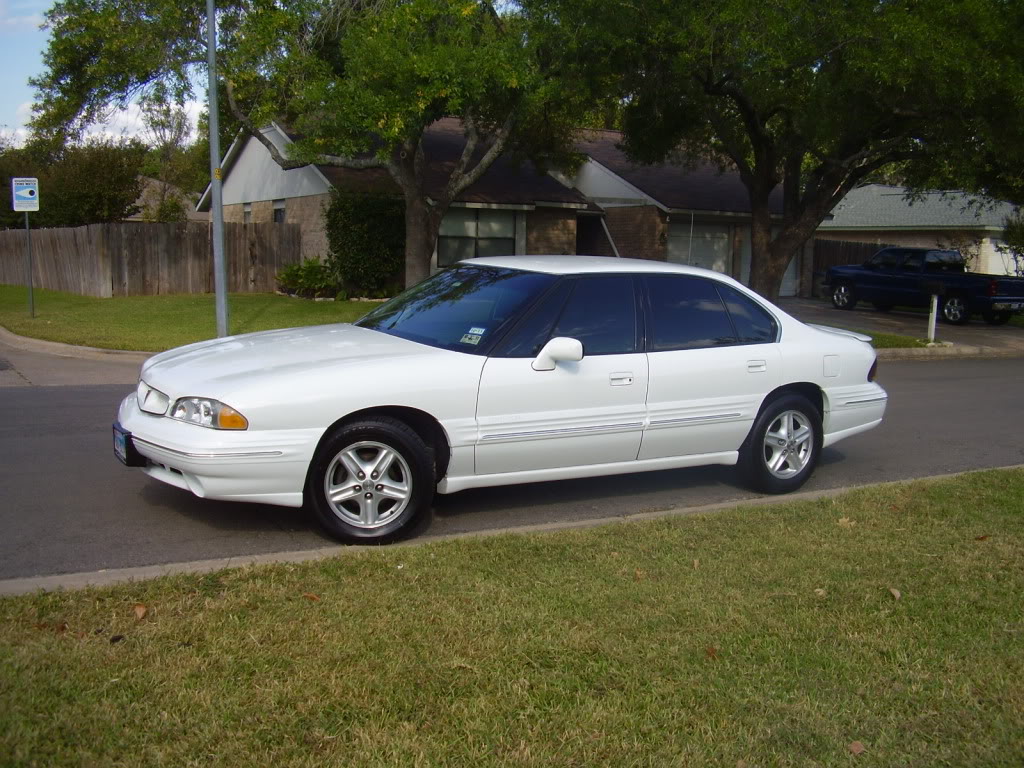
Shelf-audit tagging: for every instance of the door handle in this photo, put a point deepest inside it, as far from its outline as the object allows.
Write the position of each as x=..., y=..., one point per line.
x=757, y=366
x=620, y=379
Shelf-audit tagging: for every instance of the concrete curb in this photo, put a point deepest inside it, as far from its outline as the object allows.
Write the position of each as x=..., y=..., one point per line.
x=70, y=350
x=103, y=578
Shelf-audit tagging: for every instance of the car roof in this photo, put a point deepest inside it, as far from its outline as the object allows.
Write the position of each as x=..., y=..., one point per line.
x=578, y=265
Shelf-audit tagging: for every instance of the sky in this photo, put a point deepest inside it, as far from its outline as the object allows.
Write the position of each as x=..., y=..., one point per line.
x=22, y=43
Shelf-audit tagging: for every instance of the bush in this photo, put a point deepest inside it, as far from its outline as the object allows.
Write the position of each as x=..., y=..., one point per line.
x=366, y=235
x=310, y=279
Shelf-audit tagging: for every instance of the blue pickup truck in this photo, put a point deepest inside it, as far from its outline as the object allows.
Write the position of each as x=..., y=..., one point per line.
x=909, y=277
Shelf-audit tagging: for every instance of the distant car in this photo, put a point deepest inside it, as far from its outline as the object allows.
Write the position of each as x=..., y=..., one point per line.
x=909, y=277
x=500, y=371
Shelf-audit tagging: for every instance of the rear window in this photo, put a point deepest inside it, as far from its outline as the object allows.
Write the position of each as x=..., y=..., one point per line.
x=944, y=261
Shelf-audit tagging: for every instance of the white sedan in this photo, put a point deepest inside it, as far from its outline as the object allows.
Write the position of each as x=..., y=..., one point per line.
x=500, y=371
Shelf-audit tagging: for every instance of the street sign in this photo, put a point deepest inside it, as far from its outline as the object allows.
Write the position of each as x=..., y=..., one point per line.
x=25, y=194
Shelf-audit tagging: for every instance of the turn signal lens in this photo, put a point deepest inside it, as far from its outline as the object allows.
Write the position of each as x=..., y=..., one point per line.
x=208, y=413
x=229, y=418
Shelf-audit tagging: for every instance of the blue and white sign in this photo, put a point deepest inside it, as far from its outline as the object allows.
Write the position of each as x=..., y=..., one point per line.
x=25, y=194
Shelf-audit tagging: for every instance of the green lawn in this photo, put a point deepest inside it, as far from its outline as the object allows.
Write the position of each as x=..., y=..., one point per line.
x=155, y=323
x=888, y=620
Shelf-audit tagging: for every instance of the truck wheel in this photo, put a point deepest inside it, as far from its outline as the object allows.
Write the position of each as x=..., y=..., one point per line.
x=843, y=296
x=954, y=310
x=997, y=318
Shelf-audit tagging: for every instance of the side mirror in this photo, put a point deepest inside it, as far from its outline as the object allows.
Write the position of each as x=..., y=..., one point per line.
x=557, y=350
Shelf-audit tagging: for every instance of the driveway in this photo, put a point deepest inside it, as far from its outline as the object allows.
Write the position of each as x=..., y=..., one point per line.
x=993, y=341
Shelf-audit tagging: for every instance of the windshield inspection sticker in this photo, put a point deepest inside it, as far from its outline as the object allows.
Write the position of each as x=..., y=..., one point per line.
x=471, y=338
x=478, y=331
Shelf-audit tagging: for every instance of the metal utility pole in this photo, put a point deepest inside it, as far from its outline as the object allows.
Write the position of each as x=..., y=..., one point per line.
x=220, y=275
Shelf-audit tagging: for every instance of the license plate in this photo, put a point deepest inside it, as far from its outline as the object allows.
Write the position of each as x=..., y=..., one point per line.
x=121, y=445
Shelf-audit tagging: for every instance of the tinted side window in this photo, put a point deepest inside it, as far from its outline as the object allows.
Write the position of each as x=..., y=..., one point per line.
x=534, y=330
x=913, y=261
x=754, y=325
x=601, y=313
x=886, y=259
x=686, y=313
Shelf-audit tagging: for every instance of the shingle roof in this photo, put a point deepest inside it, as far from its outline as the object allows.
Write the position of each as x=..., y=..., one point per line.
x=701, y=188
x=506, y=182
x=879, y=206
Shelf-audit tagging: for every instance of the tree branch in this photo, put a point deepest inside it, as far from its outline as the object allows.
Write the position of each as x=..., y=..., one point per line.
x=458, y=184
x=287, y=164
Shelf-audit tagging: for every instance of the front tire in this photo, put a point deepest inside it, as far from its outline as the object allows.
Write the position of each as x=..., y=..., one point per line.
x=843, y=296
x=954, y=310
x=370, y=480
x=782, y=449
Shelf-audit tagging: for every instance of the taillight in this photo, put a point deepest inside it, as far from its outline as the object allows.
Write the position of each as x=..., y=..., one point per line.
x=992, y=288
x=873, y=370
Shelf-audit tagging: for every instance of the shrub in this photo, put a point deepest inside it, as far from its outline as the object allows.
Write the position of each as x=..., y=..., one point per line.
x=366, y=236
x=310, y=279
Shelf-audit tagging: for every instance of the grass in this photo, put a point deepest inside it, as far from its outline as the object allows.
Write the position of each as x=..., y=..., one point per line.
x=156, y=323
x=888, y=619
x=891, y=340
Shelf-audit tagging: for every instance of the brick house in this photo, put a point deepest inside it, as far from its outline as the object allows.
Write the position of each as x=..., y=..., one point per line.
x=689, y=214
x=882, y=215
x=609, y=207
x=512, y=209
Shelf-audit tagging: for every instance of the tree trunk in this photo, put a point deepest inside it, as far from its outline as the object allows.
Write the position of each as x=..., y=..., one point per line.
x=422, y=222
x=766, y=266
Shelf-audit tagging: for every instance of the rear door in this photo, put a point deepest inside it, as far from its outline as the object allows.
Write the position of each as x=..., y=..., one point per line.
x=713, y=356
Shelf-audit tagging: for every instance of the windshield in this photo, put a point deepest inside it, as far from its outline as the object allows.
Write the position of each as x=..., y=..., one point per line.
x=461, y=309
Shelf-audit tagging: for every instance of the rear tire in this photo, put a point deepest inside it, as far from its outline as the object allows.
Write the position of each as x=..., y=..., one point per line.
x=782, y=449
x=843, y=296
x=997, y=318
x=370, y=480
x=954, y=310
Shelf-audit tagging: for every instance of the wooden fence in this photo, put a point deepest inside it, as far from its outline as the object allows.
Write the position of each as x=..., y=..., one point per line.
x=138, y=259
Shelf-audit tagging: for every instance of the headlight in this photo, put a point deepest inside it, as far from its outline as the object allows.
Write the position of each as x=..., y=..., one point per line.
x=208, y=413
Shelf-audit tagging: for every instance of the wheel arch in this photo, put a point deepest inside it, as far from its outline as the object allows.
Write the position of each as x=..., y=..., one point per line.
x=811, y=391
x=422, y=423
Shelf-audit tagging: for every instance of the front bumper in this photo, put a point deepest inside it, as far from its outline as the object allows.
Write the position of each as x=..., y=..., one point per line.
x=257, y=466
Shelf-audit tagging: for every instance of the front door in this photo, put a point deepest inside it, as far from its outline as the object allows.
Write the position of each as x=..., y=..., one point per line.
x=581, y=413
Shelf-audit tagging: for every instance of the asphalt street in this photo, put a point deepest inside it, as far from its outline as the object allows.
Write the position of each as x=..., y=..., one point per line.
x=69, y=506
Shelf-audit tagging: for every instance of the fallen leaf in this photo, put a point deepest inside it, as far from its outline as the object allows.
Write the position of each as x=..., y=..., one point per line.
x=845, y=522
x=311, y=596
x=140, y=611
x=711, y=651
x=741, y=764
x=820, y=592
x=856, y=747
x=895, y=592
x=696, y=564
x=116, y=639
x=981, y=538
x=639, y=575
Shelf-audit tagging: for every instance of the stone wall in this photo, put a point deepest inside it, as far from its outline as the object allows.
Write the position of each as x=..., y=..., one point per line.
x=307, y=212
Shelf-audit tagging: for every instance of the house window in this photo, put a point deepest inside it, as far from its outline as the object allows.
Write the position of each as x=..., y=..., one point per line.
x=247, y=213
x=467, y=233
x=279, y=211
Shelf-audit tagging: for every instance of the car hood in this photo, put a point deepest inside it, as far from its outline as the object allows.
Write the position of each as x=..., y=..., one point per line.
x=219, y=365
